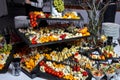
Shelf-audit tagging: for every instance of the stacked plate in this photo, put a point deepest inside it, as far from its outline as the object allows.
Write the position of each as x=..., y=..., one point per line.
x=111, y=29
x=21, y=21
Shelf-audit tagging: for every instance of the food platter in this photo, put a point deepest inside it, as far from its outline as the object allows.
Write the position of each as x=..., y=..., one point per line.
x=27, y=41
x=8, y=61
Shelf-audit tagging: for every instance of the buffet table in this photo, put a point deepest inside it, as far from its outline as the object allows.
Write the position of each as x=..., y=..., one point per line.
x=22, y=76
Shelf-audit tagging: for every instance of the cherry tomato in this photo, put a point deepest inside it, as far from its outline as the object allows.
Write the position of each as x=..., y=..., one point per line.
x=84, y=73
x=76, y=60
x=41, y=63
x=34, y=18
x=57, y=74
x=76, y=54
x=60, y=76
x=38, y=16
x=31, y=20
x=78, y=69
x=31, y=16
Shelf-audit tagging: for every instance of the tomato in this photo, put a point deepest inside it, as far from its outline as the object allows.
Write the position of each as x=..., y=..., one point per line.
x=52, y=72
x=78, y=69
x=46, y=69
x=38, y=16
x=34, y=18
x=31, y=16
x=63, y=36
x=60, y=76
x=110, y=55
x=84, y=73
x=41, y=63
x=60, y=72
x=74, y=68
x=34, y=42
x=76, y=54
x=46, y=65
x=57, y=74
x=49, y=71
x=35, y=23
x=31, y=13
x=31, y=20
x=47, y=15
x=76, y=60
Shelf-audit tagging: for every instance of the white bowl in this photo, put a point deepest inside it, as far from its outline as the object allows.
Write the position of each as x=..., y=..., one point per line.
x=117, y=71
x=21, y=21
x=111, y=29
x=98, y=77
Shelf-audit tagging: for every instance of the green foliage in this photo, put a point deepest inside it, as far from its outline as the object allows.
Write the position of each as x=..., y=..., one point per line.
x=6, y=48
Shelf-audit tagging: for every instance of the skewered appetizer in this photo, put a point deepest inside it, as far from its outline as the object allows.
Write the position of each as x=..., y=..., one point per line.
x=83, y=61
x=97, y=74
x=108, y=51
x=110, y=71
x=61, y=55
x=117, y=66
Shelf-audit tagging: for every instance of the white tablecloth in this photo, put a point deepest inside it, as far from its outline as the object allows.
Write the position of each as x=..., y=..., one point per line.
x=22, y=76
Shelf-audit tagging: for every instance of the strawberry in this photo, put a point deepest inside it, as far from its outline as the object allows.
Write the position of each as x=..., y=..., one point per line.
x=62, y=36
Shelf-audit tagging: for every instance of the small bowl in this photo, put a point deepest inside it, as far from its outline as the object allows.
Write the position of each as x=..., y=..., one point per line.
x=98, y=77
x=97, y=74
x=117, y=71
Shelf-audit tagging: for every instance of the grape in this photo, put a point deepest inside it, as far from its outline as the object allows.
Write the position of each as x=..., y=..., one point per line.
x=59, y=5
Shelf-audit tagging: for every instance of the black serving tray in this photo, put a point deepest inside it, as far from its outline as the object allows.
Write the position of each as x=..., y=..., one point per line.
x=49, y=76
x=91, y=52
x=26, y=40
x=37, y=73
x=29, y=74
x=81, y=18
x=113, y=58
x=8, y=61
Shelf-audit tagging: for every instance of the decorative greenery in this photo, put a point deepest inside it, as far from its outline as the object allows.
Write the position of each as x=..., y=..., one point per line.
x=6, y=48
x=95, y=10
